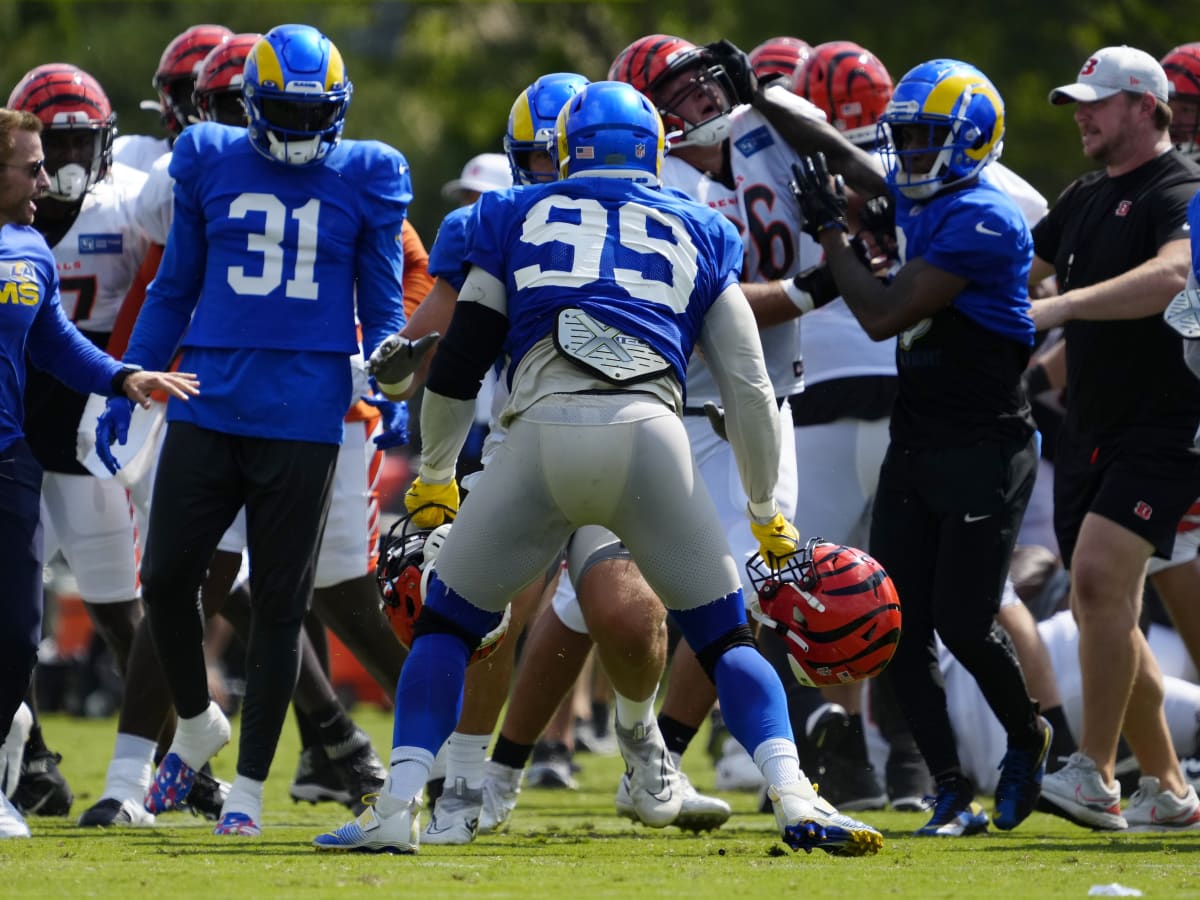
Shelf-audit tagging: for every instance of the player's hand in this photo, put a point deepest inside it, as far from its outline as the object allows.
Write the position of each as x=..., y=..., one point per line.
x=737, y=66
x=716, y=418
x=395, y=421
x=434, y=497
x=822, y=199
x=777, y=539
x=397, y=358
x=113, y=426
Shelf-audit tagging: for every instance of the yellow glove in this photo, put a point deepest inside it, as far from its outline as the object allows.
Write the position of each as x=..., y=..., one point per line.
x=420, y=494
x=777, y=539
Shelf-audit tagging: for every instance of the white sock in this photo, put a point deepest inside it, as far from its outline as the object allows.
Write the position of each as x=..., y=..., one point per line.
x=131, y=769
x=778, y=761
x=438, y=770
x=409, y=771
x=632, y=712
x=199, y=738
x=245, y=796
x=465, y=756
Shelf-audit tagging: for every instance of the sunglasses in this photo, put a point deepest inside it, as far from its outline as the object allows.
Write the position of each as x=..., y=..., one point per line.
x=33, y=169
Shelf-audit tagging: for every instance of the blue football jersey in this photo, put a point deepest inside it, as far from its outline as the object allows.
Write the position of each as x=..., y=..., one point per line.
x=648, y=262
x=1193, y=217
x=447, y=256
x=32, y=322
x=959, y=369
x=264, y=268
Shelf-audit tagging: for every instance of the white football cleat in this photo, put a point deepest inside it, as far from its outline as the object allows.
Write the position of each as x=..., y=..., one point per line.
x=389, y=825
x=651, y=780
x=809, y=822
x=454, y=818
x=501, y=786
x=12, y=823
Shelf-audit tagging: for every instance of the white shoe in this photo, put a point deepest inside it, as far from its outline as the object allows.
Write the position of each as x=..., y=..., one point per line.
x=454, y=818
x=389, y=825
x=12, y=751
x=697, y=812
x=651, y=780
x=1077, y=792
x=12, y=823
x=809, y=822
x=1153, y=809
x=501, y=786
x=736, y=769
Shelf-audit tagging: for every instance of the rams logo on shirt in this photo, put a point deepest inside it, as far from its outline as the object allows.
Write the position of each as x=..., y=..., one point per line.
x=18, y=283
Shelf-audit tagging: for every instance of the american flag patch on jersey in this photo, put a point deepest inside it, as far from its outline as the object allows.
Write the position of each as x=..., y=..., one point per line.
x=585, y=153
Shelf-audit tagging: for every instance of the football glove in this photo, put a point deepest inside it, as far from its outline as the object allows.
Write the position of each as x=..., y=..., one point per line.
x=397, y=358
x=433, y=496
x=1183, y=312
x=395, y=421
x=737, y=66
x=113, y=426
x=716, y=418
x=777, y=539
x=822, y=200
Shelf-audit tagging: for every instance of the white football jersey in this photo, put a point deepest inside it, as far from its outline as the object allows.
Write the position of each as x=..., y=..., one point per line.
x=155, y=205
x=101, y=253
x=768, y=219
x=139, y=151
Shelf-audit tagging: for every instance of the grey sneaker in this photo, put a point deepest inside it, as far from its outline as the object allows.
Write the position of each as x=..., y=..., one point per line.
x=651, y=779
x=501, y=785
x=698, y=812
x=455, y=817
x=1153, y=809
x=550, y=767
x=1077, y=792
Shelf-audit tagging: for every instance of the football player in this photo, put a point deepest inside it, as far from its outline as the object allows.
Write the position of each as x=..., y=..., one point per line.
x=960, y=467
x=174, y=81
x=562, y=274
x=732, y=146
x=252, y=446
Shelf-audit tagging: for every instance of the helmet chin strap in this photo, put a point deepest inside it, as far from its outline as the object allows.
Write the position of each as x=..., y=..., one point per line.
x=295, y=153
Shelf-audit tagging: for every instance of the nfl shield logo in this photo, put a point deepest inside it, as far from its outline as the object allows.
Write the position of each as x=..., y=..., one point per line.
x=639, y=150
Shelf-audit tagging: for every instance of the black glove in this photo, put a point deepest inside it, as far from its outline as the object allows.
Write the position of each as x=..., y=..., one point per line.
x=822, y=200
x=818, y=283
x=737, y=66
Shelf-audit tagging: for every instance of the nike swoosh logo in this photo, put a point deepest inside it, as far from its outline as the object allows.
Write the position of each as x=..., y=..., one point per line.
x=983, y=229
x=968, y=518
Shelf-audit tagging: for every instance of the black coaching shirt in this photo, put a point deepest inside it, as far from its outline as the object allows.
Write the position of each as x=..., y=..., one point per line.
x=1126, y=373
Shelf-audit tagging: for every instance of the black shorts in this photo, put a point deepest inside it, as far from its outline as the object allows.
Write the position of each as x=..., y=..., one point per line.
x=1139, y=481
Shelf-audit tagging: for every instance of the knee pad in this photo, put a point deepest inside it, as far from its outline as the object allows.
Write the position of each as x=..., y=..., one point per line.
x=740, y=636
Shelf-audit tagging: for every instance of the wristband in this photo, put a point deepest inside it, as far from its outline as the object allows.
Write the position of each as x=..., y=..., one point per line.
x=398, y=388
x=117, y=385
x=762, y=512
x=801, y=299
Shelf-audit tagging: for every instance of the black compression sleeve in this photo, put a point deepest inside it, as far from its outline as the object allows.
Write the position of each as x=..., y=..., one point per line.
x=472, y=343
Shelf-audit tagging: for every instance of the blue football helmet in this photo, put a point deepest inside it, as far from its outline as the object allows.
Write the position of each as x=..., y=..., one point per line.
x=611, y=129
x=532, y=119
x=947, y=110
x=296, y=93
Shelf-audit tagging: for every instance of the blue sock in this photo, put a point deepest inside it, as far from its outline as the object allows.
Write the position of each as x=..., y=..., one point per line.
x=430, y=691
x=753, y=702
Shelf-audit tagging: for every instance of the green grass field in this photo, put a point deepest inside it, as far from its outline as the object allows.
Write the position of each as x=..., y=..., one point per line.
x=561, y=844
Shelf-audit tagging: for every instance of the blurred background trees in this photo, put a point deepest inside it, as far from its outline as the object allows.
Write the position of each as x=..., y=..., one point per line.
x=436, y=79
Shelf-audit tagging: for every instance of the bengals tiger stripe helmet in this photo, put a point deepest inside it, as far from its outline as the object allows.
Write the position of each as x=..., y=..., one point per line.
x=780, y=59
x=218, y=93
x=654, y=62
x=1182, y=66
x=850, y=85
x=406, y=559
x=835, y=608
x=78, y=126
x=175, y=77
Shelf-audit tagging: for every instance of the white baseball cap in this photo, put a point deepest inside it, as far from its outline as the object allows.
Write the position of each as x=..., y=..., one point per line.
x=482, y=173
x=1112, y=70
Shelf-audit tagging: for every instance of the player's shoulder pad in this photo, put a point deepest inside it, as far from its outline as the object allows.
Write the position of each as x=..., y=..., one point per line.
x=199, y=145
x=378, y=166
